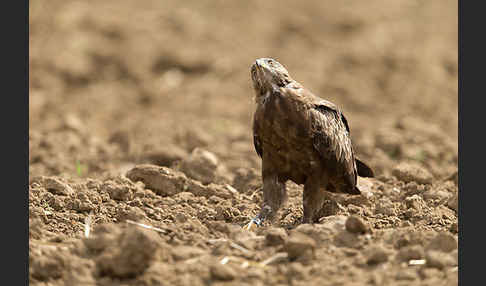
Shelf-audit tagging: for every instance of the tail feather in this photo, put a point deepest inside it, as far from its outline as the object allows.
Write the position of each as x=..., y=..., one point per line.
x=364, y=170
x=355, y=191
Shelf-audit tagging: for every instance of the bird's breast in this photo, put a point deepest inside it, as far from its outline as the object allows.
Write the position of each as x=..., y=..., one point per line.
x=283, y=128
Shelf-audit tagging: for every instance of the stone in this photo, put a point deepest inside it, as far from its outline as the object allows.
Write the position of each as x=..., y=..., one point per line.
x=300, y=247
x=201, y=165
x=222, y=272
x=134, y=251
x=439, y=260
x=444, y=242
x=355, y=225
x=411, y=172
x=411, y=252
x=453, y=202
x=376, y=255
x=275, y=236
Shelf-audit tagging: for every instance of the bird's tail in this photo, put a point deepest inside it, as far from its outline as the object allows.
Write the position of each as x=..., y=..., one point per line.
x=364, y=170
x=355, y=191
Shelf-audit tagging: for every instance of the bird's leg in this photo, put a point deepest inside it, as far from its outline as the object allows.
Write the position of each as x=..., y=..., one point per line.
x=313, y=198
x=274, y=195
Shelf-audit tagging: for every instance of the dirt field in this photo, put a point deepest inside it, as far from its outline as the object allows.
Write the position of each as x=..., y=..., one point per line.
x=142, y=167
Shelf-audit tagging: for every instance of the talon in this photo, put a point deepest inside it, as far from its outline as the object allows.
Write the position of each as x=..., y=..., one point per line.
x=253, y=224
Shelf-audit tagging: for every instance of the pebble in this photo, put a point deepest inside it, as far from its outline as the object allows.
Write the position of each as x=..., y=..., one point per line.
x=408, y=172
x=444, y=242
x=411, y=252
x=117, y=191
x=376, y=255
x=135, y=250
x=300, y=247
x=162, y=180
x=439, y=260
x=355, y=225
x=201, y=165
x=453, y=202
x=415, y=202
x=275, y=236
x=54, y=185
x=222, y=272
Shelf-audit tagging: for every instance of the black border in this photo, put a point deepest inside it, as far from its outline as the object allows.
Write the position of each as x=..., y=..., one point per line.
x=471, y=145
x=15, y=140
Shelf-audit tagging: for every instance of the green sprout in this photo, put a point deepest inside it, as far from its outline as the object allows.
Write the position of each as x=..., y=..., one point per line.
x=79, y=168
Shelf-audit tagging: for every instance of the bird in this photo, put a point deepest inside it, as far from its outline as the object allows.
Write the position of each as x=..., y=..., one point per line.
x=299, y=137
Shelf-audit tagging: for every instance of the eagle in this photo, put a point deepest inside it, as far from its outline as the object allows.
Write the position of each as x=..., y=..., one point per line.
x=299, y=137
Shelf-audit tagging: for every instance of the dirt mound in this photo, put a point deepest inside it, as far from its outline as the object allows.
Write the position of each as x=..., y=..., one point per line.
x=141, y=159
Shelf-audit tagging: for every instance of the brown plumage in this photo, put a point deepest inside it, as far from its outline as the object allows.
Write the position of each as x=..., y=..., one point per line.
x=300, y=137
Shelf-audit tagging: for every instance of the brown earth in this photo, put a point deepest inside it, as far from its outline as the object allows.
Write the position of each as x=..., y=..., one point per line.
x=142, y=167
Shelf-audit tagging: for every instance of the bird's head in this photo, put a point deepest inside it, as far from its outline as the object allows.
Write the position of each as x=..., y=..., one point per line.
x=266, y=74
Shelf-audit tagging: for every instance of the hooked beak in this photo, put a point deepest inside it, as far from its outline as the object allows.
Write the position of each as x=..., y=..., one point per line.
x=260, y=63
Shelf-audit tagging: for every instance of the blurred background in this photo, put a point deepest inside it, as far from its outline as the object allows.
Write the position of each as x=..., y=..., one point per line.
x=114, y=83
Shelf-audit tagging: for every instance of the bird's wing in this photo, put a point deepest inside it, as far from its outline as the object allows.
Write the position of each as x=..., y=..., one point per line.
x=331, y=139
x=256, y=140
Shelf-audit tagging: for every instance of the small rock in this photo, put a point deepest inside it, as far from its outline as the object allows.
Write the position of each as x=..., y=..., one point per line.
x=54, y=185
x=410, y=252
x=133, y=253
x=355, y=225
x=453, y=202
x=415, y=202
x=222, y=272
x=410, y=172
x=162, y=180
x=439, y=260
x=300, y=247
x=117, y=191
x=376, y=255
x=275, y=236
x=201, y=165
x=166, y=156
x=335, y=223
x=444, y=242
x=318, y=232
